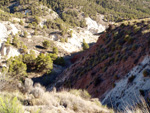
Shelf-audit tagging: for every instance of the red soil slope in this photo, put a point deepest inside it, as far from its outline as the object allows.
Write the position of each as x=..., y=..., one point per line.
x=116, y=52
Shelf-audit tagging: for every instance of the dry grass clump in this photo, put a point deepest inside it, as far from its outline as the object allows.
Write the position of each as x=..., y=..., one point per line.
x=146, y=31
x=35, y=98
x=141, y=107
x=57, y=102
x=69, y=102
x=7, y=83
x=82, y=93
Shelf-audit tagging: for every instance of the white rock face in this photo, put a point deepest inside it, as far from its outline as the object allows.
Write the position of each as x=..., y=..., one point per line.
x=13, y=52
x=74, y=44
x=10, y=52
x=54, y=37
x=125, y=93
x=5, y=29
x=93, y=26
x=3, y=33
x=14, y=30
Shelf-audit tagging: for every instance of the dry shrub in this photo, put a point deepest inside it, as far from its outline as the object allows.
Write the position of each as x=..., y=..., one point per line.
x=140, y=107
x=70, y=102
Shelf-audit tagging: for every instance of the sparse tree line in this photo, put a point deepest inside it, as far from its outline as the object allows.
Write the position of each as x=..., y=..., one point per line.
x=14, y=40
x=29, y=61
x=19, y=66
x=113, y=11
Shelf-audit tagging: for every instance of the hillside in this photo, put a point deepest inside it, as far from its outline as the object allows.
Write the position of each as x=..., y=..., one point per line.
x=116, y=53
x=29, y=29
x=35, y=46
x=71, y=11
x=42, y=23
x=74, y=56
x=114, y=10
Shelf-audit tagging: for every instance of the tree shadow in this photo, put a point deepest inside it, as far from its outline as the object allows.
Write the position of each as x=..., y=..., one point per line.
x=49, y=79
x=55, y=33
x=45, y=79
x=98, y=34
x=11, y=7
x=39, y=47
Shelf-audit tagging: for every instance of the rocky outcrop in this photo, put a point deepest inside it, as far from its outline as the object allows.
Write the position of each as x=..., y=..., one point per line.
x=93, y=26
x=116, y=52
x=3, y=33
x=7, y=28
x=74, y=43
x=131, y=89
x=2, y=49
x=8, y=51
